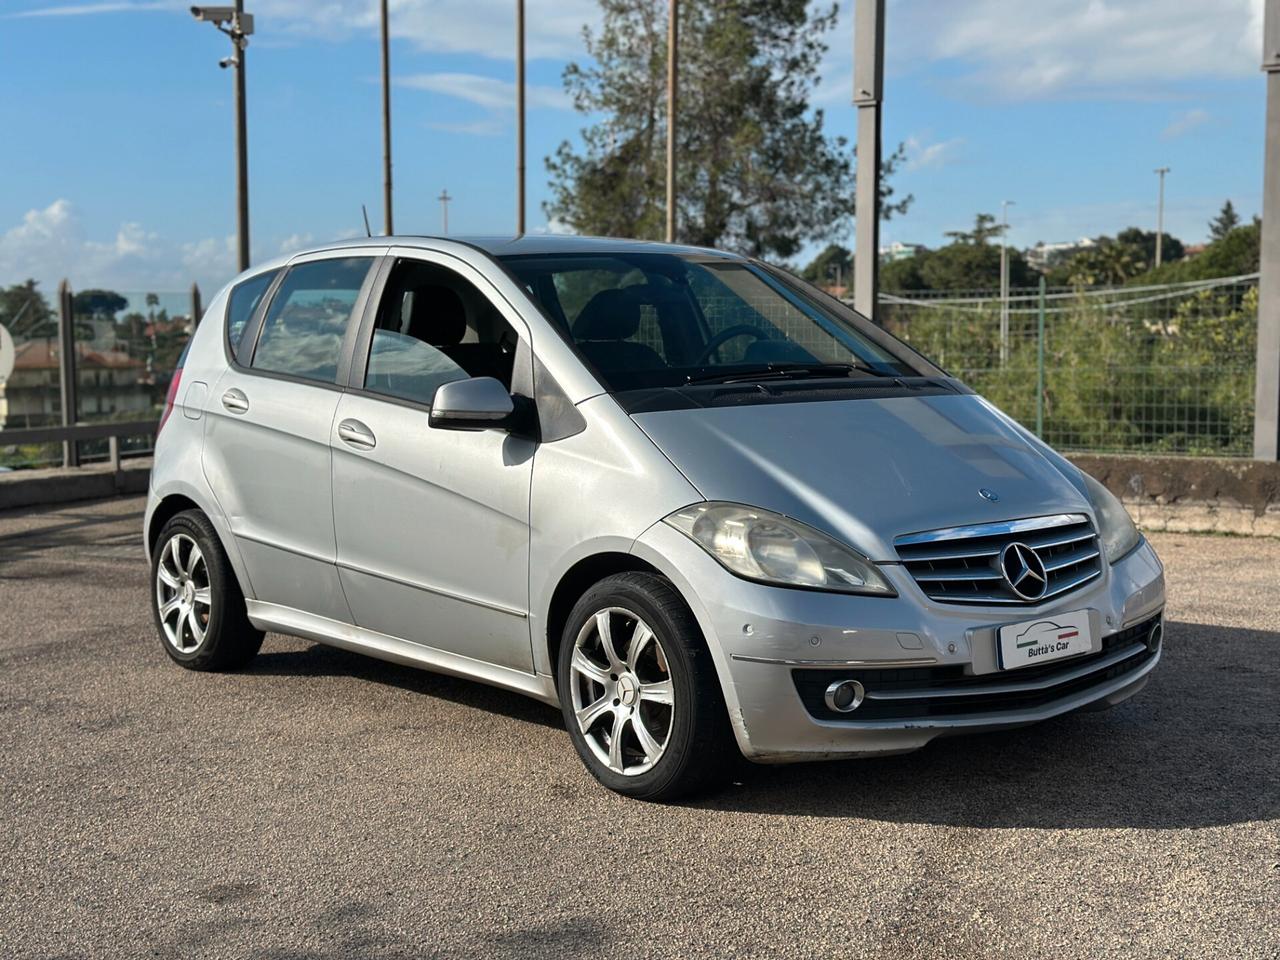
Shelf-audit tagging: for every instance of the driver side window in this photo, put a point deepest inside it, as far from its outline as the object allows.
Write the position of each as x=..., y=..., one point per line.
x=433, y=327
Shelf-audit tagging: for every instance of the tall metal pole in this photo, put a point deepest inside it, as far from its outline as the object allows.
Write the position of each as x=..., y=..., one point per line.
x=1160, y=218
x=1004, y=280
x=444, y=199
x=673, y=84
x=1266, y=422
x=239, y=38
x=520, y=200
x=868, y=87
x=67, y=378
x=386, y=120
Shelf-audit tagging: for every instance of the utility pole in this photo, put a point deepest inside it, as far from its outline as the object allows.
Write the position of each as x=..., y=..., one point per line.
x=520, y=201
x=237, y=25
x=673, y=83
x=1004, y=280
x=444, y=199
x=386, y=120
x=868, y=88
x=1161, y=171
x=1266, y=423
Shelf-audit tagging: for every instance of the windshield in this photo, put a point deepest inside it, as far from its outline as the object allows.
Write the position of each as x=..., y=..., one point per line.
x=646, y=321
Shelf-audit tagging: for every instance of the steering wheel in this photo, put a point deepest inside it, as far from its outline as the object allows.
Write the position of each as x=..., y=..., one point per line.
x=724, y=336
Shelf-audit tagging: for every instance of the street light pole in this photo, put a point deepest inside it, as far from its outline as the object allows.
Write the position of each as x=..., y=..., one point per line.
x=1160, y=218
x=1004, y=279
x=386, y=120
x=237, y=25
x=444, y=199
x=673, y=81
x=868, y=87
x=520, y=199
x=1266, y=422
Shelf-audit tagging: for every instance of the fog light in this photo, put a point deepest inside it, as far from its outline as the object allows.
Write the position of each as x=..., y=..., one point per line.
x=1155, y=636
x=845, y=696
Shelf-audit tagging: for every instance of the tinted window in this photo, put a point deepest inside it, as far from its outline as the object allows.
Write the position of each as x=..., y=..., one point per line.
x=434, y=326
x=646, y=321
x=243, y=301
x=303, y=331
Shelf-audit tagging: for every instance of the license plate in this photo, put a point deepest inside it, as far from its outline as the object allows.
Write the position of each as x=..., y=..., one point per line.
x=1040, y=641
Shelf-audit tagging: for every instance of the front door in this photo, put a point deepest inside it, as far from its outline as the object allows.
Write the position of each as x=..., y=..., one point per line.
x=432, y=525
x=266, y=451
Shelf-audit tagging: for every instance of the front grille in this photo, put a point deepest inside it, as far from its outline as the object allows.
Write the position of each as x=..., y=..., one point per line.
x=962, y=564
x=922, y=692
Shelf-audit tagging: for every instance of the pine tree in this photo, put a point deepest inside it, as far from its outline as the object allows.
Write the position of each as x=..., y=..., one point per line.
x=1226, y=221
x=757, y=172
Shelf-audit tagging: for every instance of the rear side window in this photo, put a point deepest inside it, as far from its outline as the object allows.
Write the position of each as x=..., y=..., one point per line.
x=243, y=301
x=303, y=330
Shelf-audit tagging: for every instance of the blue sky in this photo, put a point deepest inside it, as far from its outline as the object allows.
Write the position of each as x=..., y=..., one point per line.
x=117, y=167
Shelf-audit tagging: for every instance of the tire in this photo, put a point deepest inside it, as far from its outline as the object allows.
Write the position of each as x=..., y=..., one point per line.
x=626, y=691
x=204, y=625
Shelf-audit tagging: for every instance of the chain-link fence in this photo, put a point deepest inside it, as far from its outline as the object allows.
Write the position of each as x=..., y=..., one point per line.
x=1167, y=369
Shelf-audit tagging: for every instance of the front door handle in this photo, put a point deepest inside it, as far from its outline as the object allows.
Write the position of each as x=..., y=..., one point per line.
x=235, y=400
x=356, y=434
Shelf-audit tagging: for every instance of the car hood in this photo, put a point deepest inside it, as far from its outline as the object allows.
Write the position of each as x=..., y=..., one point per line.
x=869, y=470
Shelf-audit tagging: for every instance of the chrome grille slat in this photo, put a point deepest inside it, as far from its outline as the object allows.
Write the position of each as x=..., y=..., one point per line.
x=961, y=564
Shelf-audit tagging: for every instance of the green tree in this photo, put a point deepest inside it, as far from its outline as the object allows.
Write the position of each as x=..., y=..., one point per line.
x=1226, y=221
x=984, y=228
x=98, y=303
x=1236, y=254
x=1109, y=264
x=757, y=173
x=832, y=262
x=905, y=275
x=1144, y=241
x=23, y=309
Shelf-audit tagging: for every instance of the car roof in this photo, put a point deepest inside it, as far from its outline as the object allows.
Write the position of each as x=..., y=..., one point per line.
x=529, y=244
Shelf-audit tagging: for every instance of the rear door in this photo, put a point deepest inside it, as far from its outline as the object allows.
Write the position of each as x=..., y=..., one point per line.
x=433, y=525
x=266, y=451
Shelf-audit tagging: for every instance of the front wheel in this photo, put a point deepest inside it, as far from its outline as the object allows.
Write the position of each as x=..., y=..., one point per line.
x=639, y=691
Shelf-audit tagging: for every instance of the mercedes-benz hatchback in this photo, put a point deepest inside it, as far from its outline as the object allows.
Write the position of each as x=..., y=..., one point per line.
x=699, y=505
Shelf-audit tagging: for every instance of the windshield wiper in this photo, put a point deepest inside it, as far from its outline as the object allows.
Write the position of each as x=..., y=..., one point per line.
x=784, y=371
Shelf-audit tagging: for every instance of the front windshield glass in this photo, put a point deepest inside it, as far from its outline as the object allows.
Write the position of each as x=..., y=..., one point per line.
x=644, y=321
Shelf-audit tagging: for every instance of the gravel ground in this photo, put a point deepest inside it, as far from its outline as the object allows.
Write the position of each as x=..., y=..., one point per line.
x=323, y=804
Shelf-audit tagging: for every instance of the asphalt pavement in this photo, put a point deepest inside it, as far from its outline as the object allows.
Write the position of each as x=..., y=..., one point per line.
x=326, y=805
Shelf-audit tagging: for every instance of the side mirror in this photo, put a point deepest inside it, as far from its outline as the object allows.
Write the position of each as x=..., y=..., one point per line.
x=480, y=403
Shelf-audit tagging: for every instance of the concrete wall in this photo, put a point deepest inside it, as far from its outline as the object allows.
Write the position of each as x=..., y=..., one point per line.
x=1193, y=494
x=29, y=488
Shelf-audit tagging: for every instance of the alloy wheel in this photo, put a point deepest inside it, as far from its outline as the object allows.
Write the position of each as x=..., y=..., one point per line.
x=621, y=691
x=183, y=594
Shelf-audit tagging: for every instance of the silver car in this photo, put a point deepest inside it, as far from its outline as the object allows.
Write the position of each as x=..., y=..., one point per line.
x=699, y=505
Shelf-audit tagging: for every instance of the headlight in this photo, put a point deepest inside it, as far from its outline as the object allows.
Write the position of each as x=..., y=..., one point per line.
x=764, y=546
x=1115, y=527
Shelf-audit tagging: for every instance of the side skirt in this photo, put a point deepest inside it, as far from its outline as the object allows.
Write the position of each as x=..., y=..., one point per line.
x=347, y=636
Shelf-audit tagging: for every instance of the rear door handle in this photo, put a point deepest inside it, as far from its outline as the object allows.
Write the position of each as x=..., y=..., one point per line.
x=356, y=434
x=235, y=400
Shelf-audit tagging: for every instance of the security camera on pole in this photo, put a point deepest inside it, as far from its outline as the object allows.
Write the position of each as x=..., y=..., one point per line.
x=237, y=25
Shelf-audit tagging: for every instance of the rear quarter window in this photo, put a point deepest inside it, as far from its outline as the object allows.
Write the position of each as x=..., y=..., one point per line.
x=241, y=304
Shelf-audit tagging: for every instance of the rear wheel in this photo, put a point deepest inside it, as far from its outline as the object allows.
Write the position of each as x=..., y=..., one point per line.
x=198, y=606
x=639, y=691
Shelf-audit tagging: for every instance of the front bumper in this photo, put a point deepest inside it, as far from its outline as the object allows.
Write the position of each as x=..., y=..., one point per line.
x=929, y=668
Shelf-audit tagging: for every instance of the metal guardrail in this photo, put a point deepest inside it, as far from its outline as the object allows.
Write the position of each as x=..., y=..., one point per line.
x=71, y=435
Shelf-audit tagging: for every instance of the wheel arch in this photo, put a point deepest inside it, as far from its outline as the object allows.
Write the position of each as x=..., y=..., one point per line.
x=174, y=498
x=576, y=581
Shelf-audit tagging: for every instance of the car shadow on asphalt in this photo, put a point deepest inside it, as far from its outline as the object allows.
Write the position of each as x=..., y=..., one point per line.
x=1195, y=748
x=319, y=660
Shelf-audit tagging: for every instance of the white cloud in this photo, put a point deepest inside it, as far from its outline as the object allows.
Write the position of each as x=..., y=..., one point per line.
x=1020, y=50
x=1185, y=122
x=51, y=243
x=488, y=92
x=86, y=9
x=293, y=243
x=923, y=156
x=485, y=27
